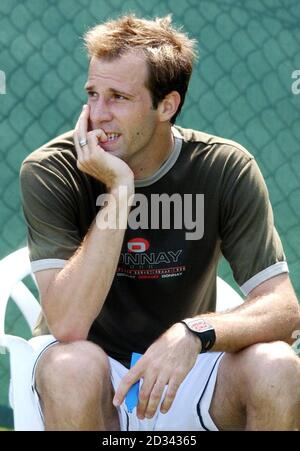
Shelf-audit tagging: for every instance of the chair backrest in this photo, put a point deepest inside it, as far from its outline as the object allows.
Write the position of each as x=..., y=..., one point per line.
x=227, y=297
x=13, y=269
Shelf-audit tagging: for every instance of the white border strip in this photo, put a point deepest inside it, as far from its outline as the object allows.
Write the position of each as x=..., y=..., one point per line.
x=262, y=276
x=47, y=263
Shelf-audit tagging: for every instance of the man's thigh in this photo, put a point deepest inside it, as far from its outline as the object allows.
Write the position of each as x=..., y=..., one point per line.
x=190, y=409
x=244, y=380
x=255, y=386
x=227, y=408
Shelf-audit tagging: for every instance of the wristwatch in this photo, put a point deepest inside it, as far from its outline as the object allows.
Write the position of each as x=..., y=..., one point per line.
x=204, y=331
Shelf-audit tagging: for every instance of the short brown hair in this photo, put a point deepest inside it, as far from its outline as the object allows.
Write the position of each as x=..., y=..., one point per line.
x=169, y=53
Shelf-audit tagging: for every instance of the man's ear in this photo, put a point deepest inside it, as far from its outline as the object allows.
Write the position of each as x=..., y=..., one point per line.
x=168, y=106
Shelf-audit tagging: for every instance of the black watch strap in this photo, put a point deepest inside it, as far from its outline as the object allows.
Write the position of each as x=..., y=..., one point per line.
x=205, y=332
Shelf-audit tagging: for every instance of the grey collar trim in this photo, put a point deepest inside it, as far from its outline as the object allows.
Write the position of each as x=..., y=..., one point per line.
x=168, y=164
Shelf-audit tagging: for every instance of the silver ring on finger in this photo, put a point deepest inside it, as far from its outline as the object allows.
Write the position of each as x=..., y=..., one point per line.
x=82, y=142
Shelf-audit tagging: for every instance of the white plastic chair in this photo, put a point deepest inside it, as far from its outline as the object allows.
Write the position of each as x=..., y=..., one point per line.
x=13, y=269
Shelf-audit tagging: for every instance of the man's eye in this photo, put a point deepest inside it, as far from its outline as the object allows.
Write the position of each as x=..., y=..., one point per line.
x=92, y=93
x=119, y=97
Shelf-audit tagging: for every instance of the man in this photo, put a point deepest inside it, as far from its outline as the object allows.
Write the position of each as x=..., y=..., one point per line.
x=109, y=289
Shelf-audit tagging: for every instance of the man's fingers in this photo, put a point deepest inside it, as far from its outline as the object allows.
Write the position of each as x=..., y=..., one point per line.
x=77, y=146
x=155, y=397
x=128, y=380
x=83, y=123
x=82, y=136
x=144, y=395
x=80, y=132
x=170, y=395
x=95, y=137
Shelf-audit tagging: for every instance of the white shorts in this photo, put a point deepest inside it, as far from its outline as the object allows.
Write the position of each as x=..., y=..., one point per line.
x=190, y=408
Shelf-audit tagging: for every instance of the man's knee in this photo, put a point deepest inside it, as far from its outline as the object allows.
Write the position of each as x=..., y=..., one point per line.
x=264, y=374
x=269, y=368
x=79, y=364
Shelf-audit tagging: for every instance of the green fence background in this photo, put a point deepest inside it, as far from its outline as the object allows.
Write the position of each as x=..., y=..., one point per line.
x=241, y=89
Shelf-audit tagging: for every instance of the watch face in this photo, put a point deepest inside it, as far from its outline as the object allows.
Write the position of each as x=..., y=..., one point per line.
x=198, y=325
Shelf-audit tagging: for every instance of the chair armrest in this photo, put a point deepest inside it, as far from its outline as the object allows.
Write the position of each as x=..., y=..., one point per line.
x=22, y=398
x=27, y=303
x=19, y=348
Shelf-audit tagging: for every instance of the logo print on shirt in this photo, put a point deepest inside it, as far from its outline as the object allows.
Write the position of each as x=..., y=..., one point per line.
x=138, y=245
x=139, y=264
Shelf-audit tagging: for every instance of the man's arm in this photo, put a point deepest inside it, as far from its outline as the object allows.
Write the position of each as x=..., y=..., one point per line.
x=250, y=244
x=73, y=297
x=271, y=312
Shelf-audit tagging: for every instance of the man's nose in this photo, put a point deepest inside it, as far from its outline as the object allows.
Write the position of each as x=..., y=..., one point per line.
x=100, y=112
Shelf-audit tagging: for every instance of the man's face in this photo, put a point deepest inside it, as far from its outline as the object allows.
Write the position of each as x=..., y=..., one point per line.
x=121, y=105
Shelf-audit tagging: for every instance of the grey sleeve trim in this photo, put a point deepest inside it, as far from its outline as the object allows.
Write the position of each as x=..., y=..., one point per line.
x=262, y=276
x=47, y=263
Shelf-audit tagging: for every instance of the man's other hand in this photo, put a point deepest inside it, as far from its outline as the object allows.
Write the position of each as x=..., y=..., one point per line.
x=163, y=368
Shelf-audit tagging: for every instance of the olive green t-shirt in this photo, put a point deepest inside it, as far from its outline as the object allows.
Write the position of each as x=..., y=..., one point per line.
x=168, y=263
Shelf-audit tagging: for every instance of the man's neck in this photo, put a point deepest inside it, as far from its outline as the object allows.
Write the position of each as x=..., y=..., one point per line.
x=151, y=159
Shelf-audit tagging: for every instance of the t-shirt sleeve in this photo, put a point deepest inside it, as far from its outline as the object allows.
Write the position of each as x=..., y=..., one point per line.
x=249, y=240
x=49, y=207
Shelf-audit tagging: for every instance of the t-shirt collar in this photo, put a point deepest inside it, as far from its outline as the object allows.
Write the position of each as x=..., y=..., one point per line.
x=167, y=165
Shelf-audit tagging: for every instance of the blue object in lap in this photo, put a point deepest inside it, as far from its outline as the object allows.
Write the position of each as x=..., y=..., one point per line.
x=132, y=397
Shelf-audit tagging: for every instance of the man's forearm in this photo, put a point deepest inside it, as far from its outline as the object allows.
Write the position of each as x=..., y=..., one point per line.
x=264, y=318
x=77, y=294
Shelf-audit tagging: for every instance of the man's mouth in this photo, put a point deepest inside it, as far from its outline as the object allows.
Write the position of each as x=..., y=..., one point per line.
x=111, y=137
